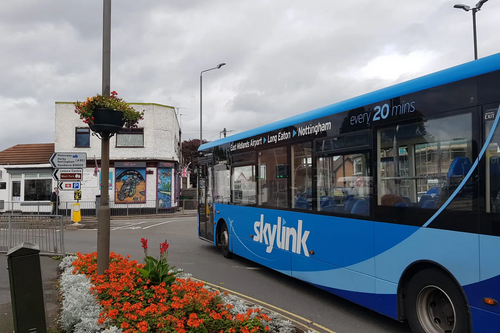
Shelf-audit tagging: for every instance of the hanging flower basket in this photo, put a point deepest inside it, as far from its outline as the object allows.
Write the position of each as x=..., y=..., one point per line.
x=108, y=114
x=107, y=120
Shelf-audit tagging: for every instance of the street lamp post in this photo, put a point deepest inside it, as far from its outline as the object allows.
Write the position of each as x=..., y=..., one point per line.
x=103, y=219
x=474, y=11
x=201, y=126
x=201, y=97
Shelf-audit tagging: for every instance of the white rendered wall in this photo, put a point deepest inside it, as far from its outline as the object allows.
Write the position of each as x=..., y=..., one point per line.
x=161, y=143
x=161, y=134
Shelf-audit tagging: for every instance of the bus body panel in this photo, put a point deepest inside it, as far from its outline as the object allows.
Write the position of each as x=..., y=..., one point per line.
x=427, y=244
x=299, y=233
x=357, y=258
x=484, y=321
x=349, y=268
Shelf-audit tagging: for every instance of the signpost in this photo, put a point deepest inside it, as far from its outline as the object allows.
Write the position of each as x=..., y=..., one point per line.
x=68, y=186
x=68, y=160
x=67, y=174
x=68, y=170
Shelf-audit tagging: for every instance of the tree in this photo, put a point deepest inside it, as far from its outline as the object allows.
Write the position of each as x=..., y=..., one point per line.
x=190, y=155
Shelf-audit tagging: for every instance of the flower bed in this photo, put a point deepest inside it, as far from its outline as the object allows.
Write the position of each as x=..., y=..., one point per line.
x=122, y=300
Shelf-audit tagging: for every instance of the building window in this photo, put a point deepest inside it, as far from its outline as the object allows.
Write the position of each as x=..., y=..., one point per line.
x=133, y=137
x=37, y=189
x=82, y=137
x=16, y=189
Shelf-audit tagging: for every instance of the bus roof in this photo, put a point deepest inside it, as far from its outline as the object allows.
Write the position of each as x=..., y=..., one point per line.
x=460, y=72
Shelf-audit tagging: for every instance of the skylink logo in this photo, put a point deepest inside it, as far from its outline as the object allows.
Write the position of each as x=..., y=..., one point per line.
x=265, y=233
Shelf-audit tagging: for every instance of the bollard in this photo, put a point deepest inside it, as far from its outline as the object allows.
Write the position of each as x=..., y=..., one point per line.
x=26, y=288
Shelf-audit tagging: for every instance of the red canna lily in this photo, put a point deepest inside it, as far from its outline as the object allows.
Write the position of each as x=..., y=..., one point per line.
x=163, y=249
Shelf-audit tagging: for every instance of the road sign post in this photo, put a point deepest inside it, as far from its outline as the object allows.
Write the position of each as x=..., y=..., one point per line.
x=68, y=160
x=68, y=186
x=68, y=174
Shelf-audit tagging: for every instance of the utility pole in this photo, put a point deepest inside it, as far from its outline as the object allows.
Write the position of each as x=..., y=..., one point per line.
x=103, y=219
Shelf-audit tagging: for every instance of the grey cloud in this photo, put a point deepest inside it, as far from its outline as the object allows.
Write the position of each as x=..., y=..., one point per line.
x=283, y=57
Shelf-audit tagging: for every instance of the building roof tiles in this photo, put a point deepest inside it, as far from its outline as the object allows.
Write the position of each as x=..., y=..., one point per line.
x=37, y=153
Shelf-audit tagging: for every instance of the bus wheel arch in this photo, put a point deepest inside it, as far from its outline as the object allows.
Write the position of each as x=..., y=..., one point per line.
x=222, y=238
x=422, y=281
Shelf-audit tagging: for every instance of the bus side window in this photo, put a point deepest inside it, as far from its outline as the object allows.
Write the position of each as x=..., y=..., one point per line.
x=344, y=184
x=273, y=177
x=492, y=169
x=421, y=164
x=302, y=175
x=243, y=185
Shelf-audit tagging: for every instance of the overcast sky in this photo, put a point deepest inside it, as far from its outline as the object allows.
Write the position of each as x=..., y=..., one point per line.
x=283, y=57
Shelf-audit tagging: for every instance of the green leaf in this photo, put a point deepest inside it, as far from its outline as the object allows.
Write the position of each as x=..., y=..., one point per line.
x=144, y=273
x=152, y=259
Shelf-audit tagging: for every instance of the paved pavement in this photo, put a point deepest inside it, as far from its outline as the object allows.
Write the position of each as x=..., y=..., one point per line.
x=50, y=273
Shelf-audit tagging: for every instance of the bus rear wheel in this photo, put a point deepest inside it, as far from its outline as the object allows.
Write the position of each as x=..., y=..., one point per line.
x=435, y=304
x=223, y=237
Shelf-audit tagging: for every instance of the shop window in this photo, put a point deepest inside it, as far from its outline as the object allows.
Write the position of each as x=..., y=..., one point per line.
x=37, y=189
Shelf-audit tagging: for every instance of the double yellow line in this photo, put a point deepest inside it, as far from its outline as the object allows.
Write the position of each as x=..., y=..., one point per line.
x=299, y=321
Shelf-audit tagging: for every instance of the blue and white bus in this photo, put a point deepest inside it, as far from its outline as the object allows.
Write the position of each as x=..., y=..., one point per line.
x=390, y=199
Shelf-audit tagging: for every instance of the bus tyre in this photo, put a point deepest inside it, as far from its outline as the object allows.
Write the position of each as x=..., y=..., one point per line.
x=224, y=241
x=434, y=303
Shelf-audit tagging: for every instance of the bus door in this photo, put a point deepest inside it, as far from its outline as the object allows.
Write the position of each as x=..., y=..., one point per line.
x=490, y=210
x=205, y=202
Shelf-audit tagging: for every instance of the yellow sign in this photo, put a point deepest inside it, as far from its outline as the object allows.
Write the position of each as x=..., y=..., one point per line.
x=76, y=215
x=78, y=195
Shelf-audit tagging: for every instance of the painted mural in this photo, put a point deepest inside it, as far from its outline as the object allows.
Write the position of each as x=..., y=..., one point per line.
x=130, y=185
x=164, y=187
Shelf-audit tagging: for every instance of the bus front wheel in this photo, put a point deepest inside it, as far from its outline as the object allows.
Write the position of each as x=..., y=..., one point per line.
x=435, y=304
x=223, y=237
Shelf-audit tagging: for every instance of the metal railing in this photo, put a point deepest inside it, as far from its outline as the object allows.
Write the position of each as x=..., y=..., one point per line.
x=91, y=208
x=47, y=231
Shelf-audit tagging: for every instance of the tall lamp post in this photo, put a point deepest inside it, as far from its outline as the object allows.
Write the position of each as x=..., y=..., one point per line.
x=474, y=11
x=201, y=125
x=103, y=219
x=201, y=105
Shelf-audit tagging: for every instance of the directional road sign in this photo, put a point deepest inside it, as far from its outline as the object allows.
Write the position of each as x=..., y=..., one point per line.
x=69, y=186
x=68, y=174
x=68, y=160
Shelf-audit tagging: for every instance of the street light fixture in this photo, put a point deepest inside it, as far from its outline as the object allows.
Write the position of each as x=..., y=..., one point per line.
x=201, y=126
x=474, y=11
x=201, y=105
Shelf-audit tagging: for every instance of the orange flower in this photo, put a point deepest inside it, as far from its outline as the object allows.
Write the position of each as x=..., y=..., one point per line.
x=143, y=326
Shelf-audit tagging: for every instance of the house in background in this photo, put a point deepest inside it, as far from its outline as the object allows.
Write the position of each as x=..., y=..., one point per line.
x=26, y=177
x=144, y=162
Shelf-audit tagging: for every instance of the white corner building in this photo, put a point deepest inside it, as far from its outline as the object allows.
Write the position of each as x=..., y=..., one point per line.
x=144, y=162
x=144, y=165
